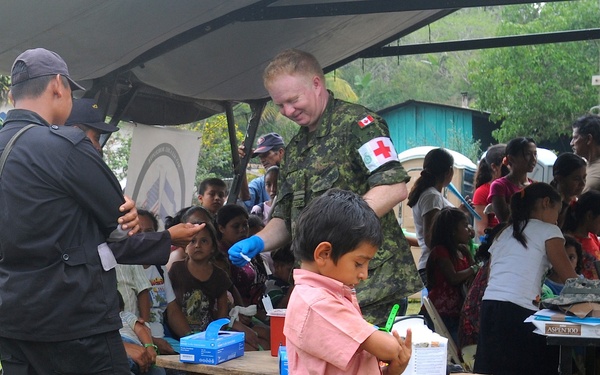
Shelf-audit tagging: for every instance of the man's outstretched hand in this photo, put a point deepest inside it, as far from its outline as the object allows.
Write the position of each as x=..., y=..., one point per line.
x=182, y=234
x=241, y=252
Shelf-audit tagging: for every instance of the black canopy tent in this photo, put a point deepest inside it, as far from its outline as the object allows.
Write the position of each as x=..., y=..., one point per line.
x=173, y=62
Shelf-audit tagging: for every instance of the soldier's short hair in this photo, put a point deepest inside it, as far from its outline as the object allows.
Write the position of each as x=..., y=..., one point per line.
x=293, y=62
x=339, y=217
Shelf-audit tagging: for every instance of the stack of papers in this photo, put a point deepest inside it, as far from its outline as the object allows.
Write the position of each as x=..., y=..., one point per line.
x=554, y=323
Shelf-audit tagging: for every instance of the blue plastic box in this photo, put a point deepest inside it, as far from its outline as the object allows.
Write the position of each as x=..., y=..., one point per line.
x=212, y=346
x=283, y=361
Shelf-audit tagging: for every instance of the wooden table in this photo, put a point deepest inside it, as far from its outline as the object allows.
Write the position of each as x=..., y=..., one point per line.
x=258, y=363
x=250, y=363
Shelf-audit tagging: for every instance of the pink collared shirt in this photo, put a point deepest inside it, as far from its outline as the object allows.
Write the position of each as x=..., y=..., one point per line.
x=324, y=328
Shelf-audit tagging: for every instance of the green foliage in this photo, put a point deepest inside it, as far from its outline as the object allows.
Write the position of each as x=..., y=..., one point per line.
x=4, y=88
x=538, y=90
x=362, y=83
x=454, y=141
x=271, y=122
x=340, y=88
x=438, y=78
x=469, y=147
x=215, y=158
x=116, y=153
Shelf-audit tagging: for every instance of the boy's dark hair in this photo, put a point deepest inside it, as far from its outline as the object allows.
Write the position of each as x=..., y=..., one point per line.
x=587, y=202
x=523, y=202
x=283, y=255
x=339, y=217
x=588, y=125
x=572, y=241
x=149, y=215
x=215, y=182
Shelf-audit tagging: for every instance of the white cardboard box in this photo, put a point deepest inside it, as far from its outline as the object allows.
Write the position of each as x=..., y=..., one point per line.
x=553, y=323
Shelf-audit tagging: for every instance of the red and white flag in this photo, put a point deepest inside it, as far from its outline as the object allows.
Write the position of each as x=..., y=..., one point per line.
x=366, y=121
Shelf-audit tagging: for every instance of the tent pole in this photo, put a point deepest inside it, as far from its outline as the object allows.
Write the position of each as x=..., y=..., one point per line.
x=257, y=107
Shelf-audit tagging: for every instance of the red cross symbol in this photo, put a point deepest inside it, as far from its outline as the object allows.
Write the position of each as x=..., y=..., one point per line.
x=382, y=149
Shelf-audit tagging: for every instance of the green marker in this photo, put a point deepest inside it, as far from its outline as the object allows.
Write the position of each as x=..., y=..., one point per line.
x=391, y=318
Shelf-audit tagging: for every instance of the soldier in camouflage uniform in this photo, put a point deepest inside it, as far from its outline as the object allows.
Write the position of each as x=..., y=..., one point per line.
x=340, y=145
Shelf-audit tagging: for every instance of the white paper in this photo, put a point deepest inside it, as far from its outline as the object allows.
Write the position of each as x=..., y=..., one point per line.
x=429, y=353
x=266, y=300
x=106, y=257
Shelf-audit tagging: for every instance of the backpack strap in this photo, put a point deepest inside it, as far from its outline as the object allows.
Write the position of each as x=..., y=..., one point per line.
x=10, y=145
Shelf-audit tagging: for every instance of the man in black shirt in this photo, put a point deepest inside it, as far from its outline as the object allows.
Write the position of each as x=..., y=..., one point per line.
x=60, y=205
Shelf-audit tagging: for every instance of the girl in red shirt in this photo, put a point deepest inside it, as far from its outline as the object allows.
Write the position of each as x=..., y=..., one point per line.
x=450, y=266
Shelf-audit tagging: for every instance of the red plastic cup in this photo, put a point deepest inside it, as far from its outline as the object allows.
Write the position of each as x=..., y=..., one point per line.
x=277, y=318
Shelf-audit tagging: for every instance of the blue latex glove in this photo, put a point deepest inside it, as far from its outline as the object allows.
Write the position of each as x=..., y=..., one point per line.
x=242, y=251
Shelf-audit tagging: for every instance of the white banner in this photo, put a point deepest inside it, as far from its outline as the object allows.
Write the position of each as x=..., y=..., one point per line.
x=162, y=169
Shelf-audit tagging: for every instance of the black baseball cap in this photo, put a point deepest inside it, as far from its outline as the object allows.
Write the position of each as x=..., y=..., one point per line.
x=41, y=62
x=268, y=142
x=86, y=112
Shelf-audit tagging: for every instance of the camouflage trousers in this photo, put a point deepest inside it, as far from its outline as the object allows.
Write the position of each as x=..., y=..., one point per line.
x=388, y=284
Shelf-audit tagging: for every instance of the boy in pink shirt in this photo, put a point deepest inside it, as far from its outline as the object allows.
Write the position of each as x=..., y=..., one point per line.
x=336, y=236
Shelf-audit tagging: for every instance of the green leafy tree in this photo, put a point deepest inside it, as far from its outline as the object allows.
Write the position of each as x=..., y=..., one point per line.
x=433, y=77
x=4, y=88
x=116, y=153
x=538, y=90
x=215, y=151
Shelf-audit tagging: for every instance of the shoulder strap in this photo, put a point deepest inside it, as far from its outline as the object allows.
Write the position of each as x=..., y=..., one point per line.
x=160, y=270
x=10, y=145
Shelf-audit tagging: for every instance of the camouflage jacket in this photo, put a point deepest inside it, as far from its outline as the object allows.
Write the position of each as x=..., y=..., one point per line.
x=329, y=157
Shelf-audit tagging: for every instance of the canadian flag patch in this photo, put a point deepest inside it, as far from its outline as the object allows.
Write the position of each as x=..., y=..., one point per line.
x=366, y=121
x=377, y=152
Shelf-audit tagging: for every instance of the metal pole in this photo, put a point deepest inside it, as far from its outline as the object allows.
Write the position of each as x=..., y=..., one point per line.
x=257, y=108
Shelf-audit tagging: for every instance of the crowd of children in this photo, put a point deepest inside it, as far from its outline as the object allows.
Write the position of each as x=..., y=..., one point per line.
x=533, y=237
x=199, y=284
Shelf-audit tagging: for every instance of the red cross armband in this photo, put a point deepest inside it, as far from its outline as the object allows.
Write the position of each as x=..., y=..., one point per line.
x=377, y=152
